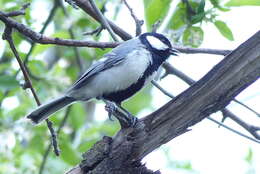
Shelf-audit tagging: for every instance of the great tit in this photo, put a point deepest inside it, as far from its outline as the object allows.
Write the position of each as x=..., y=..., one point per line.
x=117, y=76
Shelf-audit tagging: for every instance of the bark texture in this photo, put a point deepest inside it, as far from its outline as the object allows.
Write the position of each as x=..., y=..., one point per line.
x=123, y=152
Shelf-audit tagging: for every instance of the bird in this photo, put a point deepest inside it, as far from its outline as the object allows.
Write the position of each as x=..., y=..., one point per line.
x=117, y=76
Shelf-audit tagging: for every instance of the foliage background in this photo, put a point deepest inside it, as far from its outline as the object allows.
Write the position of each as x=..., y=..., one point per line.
x=54, y=68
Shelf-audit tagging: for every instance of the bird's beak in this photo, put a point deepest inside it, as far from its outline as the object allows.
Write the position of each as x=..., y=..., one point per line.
x=174, y=52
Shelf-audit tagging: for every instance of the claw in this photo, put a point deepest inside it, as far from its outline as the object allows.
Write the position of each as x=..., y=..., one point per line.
x=128, y=119
x=110, y=108
x=125, y=118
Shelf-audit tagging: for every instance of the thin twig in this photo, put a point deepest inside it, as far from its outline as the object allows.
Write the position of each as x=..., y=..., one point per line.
x=76, y=51
x=46, y=23
x=171, y=70
x=250, y=128
x=156, y=25
x=250, y=109
x=87, y=7
x=46, y=154
x=97, y=31
x=138, y=23
x=233, y=130
x=72, y=36
x=17, y=12
x=103, y=20
x=189, y=50
x=162, y=89
x=7, y=35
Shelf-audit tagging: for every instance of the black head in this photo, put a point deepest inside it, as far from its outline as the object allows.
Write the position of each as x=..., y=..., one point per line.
x=158, y=44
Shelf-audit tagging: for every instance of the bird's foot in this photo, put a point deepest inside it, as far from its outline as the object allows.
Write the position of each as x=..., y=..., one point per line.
x=125, y=118
x=110, y=108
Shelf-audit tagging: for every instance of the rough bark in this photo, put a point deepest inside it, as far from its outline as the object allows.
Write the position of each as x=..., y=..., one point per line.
x=123, y=152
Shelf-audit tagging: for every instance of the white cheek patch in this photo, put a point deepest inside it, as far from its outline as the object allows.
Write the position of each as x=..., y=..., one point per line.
x=156, y=43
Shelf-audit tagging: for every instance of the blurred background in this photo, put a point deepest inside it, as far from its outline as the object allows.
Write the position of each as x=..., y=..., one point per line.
x=208, y=148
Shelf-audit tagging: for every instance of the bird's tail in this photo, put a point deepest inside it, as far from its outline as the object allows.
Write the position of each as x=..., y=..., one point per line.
x=44, y=111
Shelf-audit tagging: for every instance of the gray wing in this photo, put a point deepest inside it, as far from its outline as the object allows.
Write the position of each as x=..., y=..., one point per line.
x=113, y=58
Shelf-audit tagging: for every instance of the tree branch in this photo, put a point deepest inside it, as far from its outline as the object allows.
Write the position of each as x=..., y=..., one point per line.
x=46, y=23
x=202, y=50
x=247, y=107
x=233, y=130
x=103, y=20
x=138, y=23
x=226, y=113
x=65, y=118
x=86, y=6
x=17, y=12
x=40, y=38
x=7, y=35
x=210, y=94
x=250, y=128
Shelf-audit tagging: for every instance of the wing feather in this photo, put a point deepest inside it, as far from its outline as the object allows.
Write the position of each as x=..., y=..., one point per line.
x=114, y=58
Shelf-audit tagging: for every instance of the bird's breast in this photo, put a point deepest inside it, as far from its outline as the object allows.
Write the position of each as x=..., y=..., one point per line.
x=127, y=73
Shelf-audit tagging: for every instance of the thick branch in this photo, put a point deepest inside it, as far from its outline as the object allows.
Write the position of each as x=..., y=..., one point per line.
x=212, y=93
x=226, y=113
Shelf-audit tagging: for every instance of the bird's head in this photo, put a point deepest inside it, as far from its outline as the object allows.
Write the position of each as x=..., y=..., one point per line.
x=158, y=44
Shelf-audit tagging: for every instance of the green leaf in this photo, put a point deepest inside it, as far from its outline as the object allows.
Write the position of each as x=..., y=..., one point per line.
x=83, y=22
x=249, y=156
x=68, y=154
x=39, y=48
x=224, y=30
x=77, y=116
x=200, y=12
x=155, y=10
x=193, y=36
x=36, y=143
x=61, y=34
x=8, y=82
x=216, y=4
x=197, y=18
x=37, y=67
x=243, y=3
x=178, y=19
x=183, y=165
x=201, y=7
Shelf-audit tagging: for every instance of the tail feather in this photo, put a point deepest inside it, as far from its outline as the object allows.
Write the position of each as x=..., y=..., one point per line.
x=44, y=111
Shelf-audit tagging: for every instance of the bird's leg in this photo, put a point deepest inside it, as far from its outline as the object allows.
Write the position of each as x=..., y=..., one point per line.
x=125, y=118
x=132, y=120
